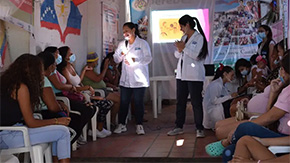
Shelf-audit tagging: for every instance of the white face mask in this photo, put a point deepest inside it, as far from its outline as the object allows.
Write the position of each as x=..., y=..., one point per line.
x=127, y=38
x=280, y=57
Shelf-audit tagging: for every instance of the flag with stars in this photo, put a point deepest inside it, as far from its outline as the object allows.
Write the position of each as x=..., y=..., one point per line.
x=61, y=15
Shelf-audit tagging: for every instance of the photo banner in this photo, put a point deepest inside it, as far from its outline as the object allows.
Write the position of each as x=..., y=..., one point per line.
x=110, y=28
x=139, y=16
x=235, y=30
x=18, y=12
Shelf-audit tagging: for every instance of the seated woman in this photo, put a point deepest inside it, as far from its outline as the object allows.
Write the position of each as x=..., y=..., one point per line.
x=21, y=86
x=67, y=69
x=244, y=76
x=252, y=149
x=51, y=108
x=112, y=75
x=96, y=81
x=217, y=99
x=280, y=111
x=260, y=72
x=257, y=105
x=59, y=85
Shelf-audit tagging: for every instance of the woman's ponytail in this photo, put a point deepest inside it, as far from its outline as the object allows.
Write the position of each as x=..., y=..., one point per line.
x=204, y=50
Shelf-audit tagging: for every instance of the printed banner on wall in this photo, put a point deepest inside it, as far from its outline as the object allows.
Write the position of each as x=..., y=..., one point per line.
x=18, y=12
x=235, y=30
x=110, y=28
x=138, y=16
x=63, y=16
x=4, y=55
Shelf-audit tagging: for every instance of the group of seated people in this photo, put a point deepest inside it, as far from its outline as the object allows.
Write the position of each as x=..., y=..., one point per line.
x=262, y=92
x=31, y=85
x=35, y=82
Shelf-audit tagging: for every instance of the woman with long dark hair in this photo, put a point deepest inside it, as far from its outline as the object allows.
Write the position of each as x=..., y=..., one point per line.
x=191, y=52
x=266, y=47
x=135, y=55
x=21, y=89
x=217, y=97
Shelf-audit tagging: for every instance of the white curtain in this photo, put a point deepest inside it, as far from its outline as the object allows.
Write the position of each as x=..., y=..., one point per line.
x=164, y=63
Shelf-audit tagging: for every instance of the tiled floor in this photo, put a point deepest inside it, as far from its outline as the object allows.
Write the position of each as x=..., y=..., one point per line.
x=154, y=146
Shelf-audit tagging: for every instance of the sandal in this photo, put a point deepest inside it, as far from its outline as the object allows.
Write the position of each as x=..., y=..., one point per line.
x=215, y=149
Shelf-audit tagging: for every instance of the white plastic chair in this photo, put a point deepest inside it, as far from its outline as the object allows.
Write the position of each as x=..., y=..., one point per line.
x=8, y=159
x=279, y=149
x=36, y=151
x=93, y=122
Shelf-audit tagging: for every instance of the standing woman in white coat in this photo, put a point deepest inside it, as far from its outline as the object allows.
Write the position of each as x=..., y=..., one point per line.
x=217, y=99
x=135, y=54
x=191, y=52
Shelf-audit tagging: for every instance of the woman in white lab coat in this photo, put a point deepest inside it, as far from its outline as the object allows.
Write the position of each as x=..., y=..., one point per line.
x=135, y=54
x=191, y=52
x=217, y=99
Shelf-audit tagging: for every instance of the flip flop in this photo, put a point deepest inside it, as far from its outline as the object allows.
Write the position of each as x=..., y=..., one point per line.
x=215, y=149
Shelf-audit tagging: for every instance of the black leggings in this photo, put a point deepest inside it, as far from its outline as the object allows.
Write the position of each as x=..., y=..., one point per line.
x=104, y=107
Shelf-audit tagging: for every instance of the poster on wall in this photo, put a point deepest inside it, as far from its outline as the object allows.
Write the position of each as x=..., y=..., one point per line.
x=138, y=16
x=110, y=28
x=63, y=16
x=4, y=54
x=18, y=12
x=234, y=30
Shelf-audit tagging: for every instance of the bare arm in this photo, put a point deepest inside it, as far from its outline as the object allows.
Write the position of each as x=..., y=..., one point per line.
x=269, y=117
x=97, y=77
x=26, y=109
x=59, y=85
x=48, y=98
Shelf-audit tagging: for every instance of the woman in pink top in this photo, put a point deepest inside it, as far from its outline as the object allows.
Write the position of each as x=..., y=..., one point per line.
x=280, y=111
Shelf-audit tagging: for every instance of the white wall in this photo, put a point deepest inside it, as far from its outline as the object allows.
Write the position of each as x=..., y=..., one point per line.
x=18, y=40
x=90, y=38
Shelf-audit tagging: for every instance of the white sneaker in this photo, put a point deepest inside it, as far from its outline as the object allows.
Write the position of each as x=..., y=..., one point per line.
x=81, y=140
x=175, y=131
x=107, y=132
x=120, y=128
x=200, y=134
x=140, y=130
x=101, y=134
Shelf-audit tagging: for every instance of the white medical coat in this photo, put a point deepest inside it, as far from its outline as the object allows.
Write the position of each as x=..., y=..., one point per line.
x=192, y=68
x=135, y=75
x=215, y=94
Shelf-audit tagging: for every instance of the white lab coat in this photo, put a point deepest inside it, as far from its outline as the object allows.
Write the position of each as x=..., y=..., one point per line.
x=215, y=94
x=192, y=68
x=135, y=75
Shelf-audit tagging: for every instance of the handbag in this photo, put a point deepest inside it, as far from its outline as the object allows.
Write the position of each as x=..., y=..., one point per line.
x=75, y=96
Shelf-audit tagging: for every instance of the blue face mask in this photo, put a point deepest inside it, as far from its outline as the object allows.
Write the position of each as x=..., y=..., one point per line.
x=244, y=72
x=281, y=78
x=262, y=35
x=276, y=61
x=72, y=58
x=58, y=59
x=110, y=67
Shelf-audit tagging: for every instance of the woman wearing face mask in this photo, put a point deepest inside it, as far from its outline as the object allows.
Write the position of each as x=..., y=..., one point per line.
x=191, y=52
x=135, y=55
x=280, y=111
x=244, y=76
x=217, y=100
x=266, y=47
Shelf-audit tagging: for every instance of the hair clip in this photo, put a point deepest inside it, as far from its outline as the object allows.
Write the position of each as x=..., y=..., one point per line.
x=221, y=67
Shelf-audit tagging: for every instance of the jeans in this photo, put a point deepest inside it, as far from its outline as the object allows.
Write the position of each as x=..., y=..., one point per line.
x=138, y=96
x=183, y=89
x=250, y=129
x=57, y=134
